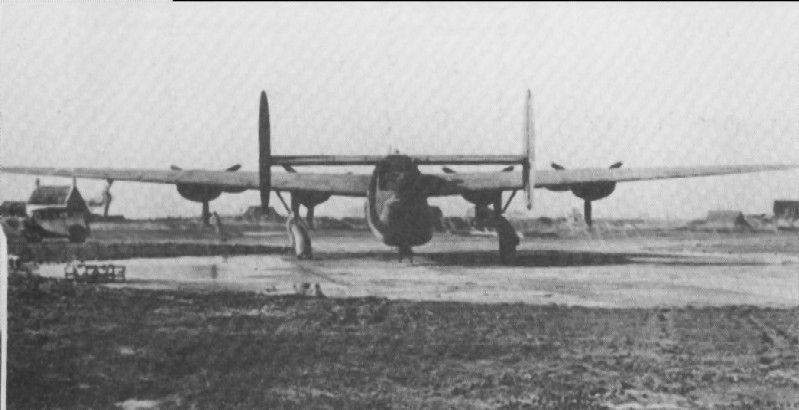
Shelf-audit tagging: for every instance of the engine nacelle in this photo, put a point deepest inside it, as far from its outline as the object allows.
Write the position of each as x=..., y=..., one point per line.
x=199, y=193
x=309, y=199
x=482, y=200
x=205, y=193
x=593, y=191
x=590, y=191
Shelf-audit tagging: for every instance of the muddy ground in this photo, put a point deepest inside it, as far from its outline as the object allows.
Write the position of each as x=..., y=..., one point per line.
x=88, y=346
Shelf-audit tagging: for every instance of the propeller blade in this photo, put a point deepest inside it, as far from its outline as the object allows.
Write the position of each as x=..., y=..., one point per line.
x=234, y=168
x=557, y=166
x=616, y=165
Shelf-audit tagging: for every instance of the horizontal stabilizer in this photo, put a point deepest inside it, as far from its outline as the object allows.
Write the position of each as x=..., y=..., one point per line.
x=418, y=159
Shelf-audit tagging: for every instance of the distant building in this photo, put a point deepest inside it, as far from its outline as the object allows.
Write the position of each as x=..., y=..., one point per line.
x=724, y=220
x=330, y=223
x=454, y=224
x=761, y=222
x=786, y=214
x=57, y=210
x=56, y=196
x=358, y=223
x=256, y=214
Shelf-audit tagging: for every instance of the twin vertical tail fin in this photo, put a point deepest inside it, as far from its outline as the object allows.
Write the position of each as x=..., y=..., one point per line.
x=264, y=153
x=529, y=147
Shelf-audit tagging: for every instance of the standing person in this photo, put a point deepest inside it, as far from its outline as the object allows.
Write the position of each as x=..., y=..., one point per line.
x=217, y=222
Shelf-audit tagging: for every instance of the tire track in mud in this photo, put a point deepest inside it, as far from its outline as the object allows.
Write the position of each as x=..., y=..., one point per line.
x=663, y=321
x=777, y=353
x=771, y=335
x=304, y=269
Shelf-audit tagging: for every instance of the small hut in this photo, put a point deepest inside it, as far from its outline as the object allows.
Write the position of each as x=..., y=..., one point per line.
x=57, y=210
x=786, y=214
x=256, y=214
x=57, y=198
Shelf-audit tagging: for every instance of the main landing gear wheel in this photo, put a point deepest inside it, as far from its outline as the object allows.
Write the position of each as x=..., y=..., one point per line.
x=405, y=251
x=300, y=239
x=508, y=240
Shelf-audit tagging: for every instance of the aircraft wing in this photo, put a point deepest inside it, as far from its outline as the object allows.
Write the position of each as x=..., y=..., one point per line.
x=455, y=183
x=566, y=177
x=357, y=184
x=336, y=184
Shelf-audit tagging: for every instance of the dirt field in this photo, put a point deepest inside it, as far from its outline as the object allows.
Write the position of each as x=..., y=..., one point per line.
x=94, y=347
x=687, y=321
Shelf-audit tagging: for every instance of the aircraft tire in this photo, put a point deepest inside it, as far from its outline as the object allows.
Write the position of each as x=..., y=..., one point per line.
x=300, y=239
x=508, y=240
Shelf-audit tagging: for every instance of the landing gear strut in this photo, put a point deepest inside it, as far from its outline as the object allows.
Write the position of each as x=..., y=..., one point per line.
x=508, y=240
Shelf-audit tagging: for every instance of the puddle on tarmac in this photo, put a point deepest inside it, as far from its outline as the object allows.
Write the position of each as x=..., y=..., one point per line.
x=252, y=271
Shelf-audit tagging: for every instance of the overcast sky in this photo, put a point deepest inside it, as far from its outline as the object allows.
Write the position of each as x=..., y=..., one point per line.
x=147, y=86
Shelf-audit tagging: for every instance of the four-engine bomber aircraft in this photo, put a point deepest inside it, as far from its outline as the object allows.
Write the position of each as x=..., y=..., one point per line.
x=396, y=191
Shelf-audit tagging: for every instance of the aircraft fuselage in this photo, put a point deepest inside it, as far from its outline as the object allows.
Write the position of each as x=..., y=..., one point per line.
x=396, y=204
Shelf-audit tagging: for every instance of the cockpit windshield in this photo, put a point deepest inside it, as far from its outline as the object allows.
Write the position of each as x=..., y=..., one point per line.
x=395, y=173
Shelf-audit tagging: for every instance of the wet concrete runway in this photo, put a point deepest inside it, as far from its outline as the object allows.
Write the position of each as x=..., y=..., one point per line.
x=615, y=273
